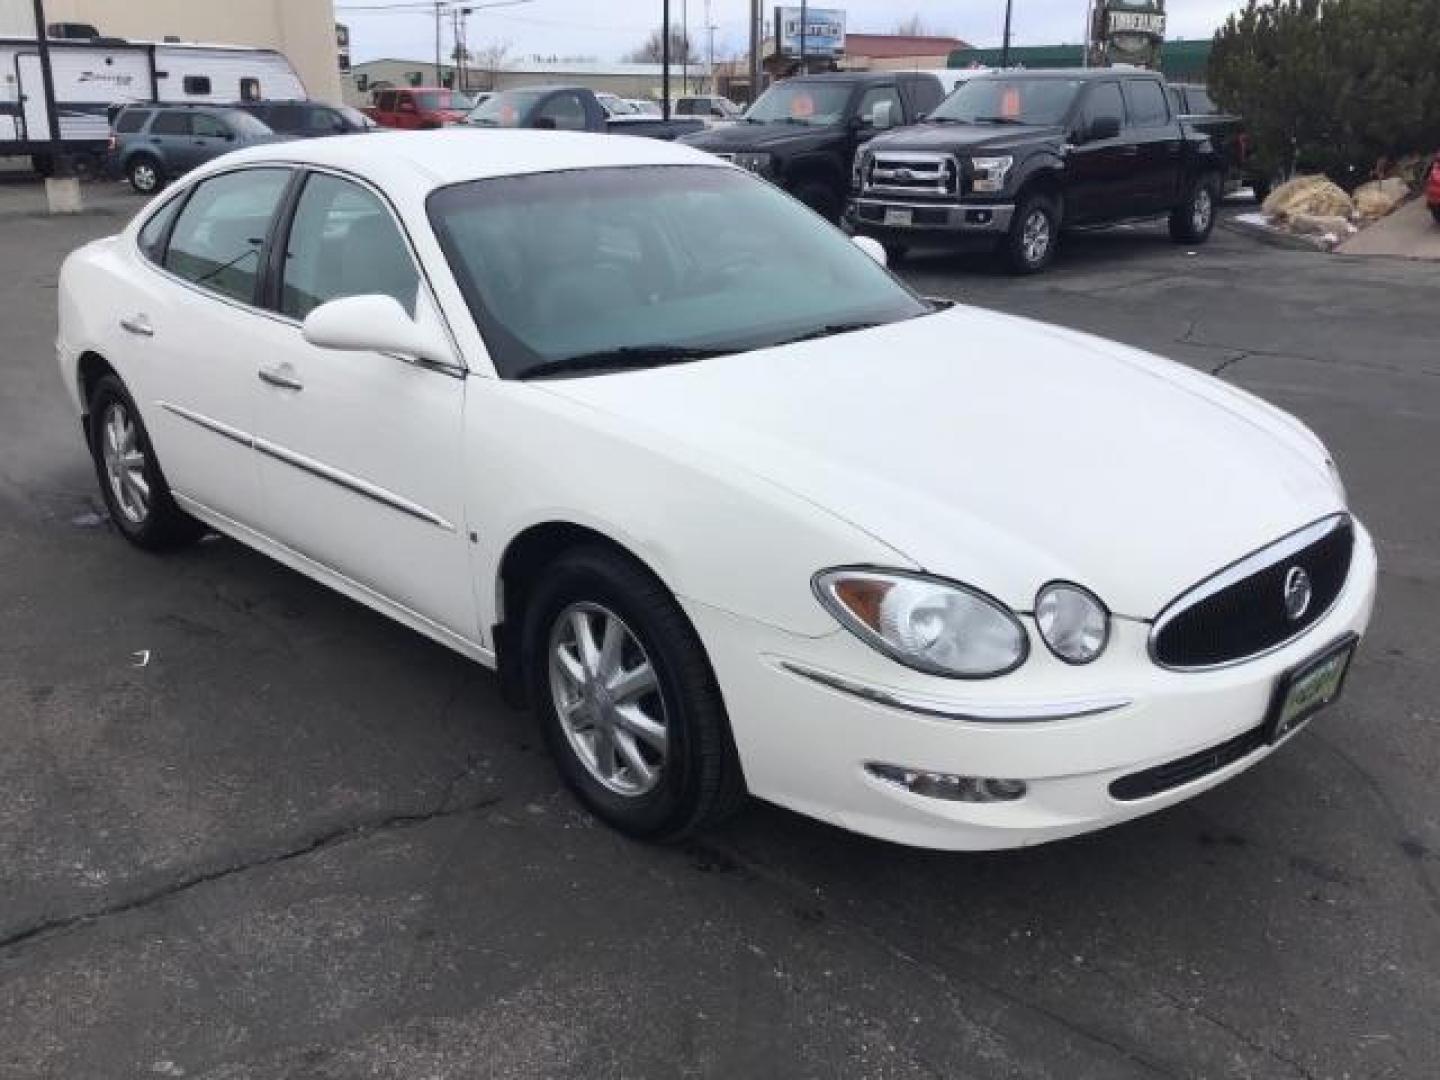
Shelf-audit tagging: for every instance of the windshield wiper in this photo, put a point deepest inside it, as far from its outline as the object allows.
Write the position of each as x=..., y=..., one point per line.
x=997, y=120
x=829, y=330
x=624, y=358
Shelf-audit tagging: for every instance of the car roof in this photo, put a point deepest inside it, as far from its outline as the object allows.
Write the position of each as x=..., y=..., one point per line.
x=1086, y=74
x=431, y=159
x=850, y=76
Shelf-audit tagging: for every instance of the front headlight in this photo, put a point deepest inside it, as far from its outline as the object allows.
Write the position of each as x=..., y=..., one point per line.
x=756, y=163
x=935, y=626
x=990, y=173
x=1072, y=621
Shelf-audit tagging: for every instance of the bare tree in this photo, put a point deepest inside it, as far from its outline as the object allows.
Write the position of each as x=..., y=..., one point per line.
x=491, y=59
x=914, y=26
x=682, y=49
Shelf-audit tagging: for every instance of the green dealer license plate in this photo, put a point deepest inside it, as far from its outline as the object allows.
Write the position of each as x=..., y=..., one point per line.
x=1307, y=689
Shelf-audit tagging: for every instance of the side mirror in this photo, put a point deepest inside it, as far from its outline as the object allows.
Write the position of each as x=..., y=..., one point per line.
x=373, y=323
x=1105, y=127
x=881, y=118
x=545, y=123
x=872, y=247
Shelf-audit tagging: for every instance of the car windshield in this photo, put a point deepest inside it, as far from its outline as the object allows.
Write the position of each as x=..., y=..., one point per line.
x=1010, y=100
x=504, y=110
x=242, y=123
x=652, y=263
x=801, y=102
x=436, y=100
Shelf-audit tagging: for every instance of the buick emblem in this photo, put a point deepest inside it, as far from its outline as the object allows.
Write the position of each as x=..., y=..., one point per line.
x=1298, y=593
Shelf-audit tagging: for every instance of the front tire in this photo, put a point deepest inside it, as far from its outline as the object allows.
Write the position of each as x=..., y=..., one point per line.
x=131, y=482
x=1194, y=219
x=627, y=700
x=1034, y=233
x=145, y=174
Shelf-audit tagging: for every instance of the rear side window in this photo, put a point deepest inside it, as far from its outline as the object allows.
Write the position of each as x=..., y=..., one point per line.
x=343, y=242
x=131, y=120
x=1148, y=107
x=153, y=232
x=171, y=123
x=220, y=235
x=196, y=84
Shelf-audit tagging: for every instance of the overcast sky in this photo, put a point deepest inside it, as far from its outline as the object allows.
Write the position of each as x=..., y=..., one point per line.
x=609, y=30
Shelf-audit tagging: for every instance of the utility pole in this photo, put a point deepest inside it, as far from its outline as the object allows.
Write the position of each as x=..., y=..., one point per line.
x=804, y=38
x=754, y=49
x=1005, y=50
x=439, y=72
x=665, y=61
x=710, y=29
x=685, y=46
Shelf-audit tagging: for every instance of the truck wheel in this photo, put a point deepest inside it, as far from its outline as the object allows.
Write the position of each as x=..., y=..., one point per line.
x=1192, y=221
x=146, y=175
x=821, y=199
x=1030, y=245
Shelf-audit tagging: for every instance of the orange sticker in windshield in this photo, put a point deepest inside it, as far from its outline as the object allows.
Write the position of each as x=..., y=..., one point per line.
x=1010, y=103
x=508, y=114
x=802, y=106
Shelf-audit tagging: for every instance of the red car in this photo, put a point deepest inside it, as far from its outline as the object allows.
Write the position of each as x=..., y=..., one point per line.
x=418, y=107
x=1432, y=189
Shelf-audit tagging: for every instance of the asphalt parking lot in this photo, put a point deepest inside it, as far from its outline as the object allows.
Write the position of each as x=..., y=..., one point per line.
x=250, y=829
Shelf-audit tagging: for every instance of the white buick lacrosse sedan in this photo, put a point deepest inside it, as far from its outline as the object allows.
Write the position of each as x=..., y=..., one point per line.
x=731, y=507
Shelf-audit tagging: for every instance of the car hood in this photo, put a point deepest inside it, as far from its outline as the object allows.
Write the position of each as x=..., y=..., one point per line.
x=745, y=138
x=998, y=451
x=965, y=137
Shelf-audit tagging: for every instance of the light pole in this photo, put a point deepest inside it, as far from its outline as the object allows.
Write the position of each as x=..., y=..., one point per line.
x=1005, y=49
x=804, y=38
x=665, y=60
x=754, y=49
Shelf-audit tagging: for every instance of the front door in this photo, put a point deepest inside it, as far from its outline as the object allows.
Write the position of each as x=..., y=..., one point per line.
x=32, y=98
x=360, y=453
x=1099, y=169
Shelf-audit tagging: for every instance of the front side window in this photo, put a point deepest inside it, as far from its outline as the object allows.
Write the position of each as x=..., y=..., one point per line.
x=209, y=127
x=171, y=123
x=220, y=235
x=880, y=107
x=1102, y=103
x=797, y=101
x=587, y=262
x=565, y=111
x=504, y=110
x=343, y=242
x=1148, y=107
x=1010, y=100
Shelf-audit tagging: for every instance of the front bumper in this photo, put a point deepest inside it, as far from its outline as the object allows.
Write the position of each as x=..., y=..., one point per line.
x=893, y=215
x=1068, y=733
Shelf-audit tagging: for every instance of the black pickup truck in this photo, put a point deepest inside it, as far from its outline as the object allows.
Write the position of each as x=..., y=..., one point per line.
x=570, y=108
x=1011, y=159
x=802, y=133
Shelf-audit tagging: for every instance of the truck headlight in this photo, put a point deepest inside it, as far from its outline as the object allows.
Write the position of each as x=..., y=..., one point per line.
x=759, y=164
x=929, y=624
x=990, y=172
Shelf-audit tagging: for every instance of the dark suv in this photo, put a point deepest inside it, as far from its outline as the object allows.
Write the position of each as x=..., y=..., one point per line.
x=152, y=144
x=308, y=119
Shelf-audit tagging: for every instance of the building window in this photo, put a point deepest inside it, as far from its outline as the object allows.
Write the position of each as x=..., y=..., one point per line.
x=197, y=84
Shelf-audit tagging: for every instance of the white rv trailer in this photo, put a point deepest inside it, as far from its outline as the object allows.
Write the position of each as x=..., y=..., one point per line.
x=96, y=74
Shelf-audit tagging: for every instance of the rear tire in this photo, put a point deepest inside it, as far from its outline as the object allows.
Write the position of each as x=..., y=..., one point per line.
x=131, y=482
x=652, y=756
x=146, y=174
x=1194, y=219
x=1030, y=245
x=1435, y=213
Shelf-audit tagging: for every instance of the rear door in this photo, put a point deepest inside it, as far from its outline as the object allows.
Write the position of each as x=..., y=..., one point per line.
x=1100, y=171
x=1155, y=134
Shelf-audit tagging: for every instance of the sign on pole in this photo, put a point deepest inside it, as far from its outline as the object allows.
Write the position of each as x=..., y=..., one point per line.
x=823, y=30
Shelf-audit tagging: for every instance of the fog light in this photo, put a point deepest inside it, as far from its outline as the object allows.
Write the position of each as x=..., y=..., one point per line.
x=971, y=789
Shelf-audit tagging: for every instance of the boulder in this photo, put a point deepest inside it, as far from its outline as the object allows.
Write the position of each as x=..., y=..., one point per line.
x=1376, y=199
x=1329, y=227
x=1313, y=195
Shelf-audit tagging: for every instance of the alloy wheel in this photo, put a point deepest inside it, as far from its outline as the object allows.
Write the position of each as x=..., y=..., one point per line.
x=1202, y=210
x=1035, y=238
x=608, y=700
x=124, y=463
x=144, y=176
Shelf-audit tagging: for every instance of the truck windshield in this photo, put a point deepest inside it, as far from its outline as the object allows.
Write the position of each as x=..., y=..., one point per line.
x=801, y=102
x=1010, y=100
x=641, y=266
x=436, y=100
x=504, y=110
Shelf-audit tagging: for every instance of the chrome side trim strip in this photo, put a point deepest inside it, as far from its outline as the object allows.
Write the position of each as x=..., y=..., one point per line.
x=313, y=467
x=1238, y=571
x=1025, y=713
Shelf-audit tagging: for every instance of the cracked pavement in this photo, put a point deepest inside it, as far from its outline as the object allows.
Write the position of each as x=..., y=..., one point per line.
x=304, y=842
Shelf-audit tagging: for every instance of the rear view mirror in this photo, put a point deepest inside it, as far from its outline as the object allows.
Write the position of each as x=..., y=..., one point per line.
x=1104, y=127
x=373, y=323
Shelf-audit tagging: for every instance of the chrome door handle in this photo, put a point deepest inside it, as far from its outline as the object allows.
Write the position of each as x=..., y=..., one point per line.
x=277, y=377
x=138, y=324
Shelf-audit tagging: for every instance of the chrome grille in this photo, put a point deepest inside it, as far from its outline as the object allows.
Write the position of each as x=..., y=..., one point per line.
x=910, y=173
